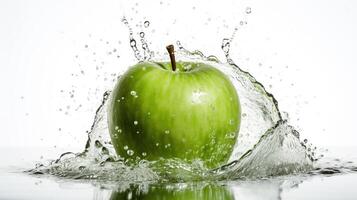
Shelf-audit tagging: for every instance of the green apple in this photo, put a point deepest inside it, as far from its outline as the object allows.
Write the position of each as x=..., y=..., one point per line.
x=185, y=110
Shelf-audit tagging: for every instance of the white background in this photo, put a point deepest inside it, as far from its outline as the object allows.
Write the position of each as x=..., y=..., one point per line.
x=304, y=52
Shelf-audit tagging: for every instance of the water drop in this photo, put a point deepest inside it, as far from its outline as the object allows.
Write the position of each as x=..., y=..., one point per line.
x=157, y=144
x=97, y=144
x=167, y=132
x=137, y=132
x=248, y=10
x=133, y=93
x=230, y=135
x=142, y=34
x=126, y=147
x=135, y=123
x=119, y=130
x=225, y=46
x=116, y=128
x=143, y=154
x=132, y=43
x=146, y=24
x=130, y=152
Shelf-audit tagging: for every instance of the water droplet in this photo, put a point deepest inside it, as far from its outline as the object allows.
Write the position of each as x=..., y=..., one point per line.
x=132, y=43
x=142, y=34
x=305, y=141
x=231, y=121
x=133, y=93
x=119, y=130
x=146, y=24
x=126, y=147
x=135, y=123
x=167, y=132
x=130, y=152
x=116, y=128
x=248, y=10
x=226, y=46
x=230, y=135
x=144, y=154
x=97, y=144
x=137, y=132
x=86, y=46
x=157, y=144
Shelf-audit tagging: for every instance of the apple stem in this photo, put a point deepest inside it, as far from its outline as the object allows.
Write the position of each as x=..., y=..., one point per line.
x=171, y=50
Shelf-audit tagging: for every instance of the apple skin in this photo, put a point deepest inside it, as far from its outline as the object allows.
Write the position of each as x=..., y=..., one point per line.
x=191, y=113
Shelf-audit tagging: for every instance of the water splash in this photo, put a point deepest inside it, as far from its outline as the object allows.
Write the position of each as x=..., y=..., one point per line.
x=132, y=41
x=267, y=145
x=262, y=128
x=147, y=54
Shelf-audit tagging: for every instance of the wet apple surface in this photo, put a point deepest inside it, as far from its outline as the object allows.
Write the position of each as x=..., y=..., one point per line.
x=192, y=113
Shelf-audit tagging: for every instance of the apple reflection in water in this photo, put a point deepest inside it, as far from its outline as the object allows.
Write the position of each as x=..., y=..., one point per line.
x=176, y=192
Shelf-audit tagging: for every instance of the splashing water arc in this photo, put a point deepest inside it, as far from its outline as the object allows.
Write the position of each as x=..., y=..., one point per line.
x=267, y=145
